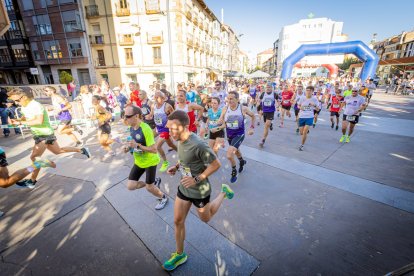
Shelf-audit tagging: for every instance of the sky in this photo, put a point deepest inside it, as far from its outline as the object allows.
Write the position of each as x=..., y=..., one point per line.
x=260, y=21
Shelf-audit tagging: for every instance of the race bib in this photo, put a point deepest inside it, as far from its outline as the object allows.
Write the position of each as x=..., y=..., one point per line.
x=185, y=171
x=213, y=123
x=267, y=103
x=350, y=118
x=335, y=106
x=307, y=108
x=233, y=125
x=158, y=120
x=205, y=114
x=286, y=102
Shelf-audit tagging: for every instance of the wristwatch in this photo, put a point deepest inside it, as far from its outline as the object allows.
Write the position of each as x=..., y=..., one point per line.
x=197, y=179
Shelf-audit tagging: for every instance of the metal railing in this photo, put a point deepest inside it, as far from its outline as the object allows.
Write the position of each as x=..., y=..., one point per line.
x=92, y=11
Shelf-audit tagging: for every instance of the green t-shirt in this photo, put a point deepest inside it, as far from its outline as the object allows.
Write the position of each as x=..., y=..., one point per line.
x=197, y=99
x=144, y=136
x=34, y=109
x=347, y=93
x=194, y=155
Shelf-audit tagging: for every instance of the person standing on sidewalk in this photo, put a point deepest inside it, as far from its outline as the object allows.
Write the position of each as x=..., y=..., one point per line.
x=197, y=162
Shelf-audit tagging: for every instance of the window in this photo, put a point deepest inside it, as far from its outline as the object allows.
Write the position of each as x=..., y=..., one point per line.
x=156, y=52
x=67, y=1
x=35, y=50
x=101, y=58
x=129, y=58
x=409, y=50
x=20, y=55
x=9, y=5
x=71, y=21
x=42, y=24
x=75, y=47
x=52, y=49
x=27, y=5
x=123, y=4
x=152, y=6
x=96, y=29
x=5, y=56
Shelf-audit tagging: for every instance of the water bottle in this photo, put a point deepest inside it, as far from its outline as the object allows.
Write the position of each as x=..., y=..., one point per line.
x=131, y=150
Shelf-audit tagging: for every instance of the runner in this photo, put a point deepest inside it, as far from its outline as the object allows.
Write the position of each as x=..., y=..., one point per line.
x=298, y=95
x=205, y=103
x=146, y=105
x=190, y=108
x=287, y=98
x=62, y=108
x=104, y=128
x=320, y=97
x=335, y=108
x=35, y=116
x=371, y=87
x=160, y=111
x=219, y=93
x=134, y=96
x=307, y=105
x=7, y=180
x=196, y=163
x=232, y=118
x=146, y=158
x=354, y=104
x=216, y=134
x=268, y=100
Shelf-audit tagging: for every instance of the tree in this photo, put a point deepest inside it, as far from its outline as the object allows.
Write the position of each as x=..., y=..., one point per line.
x=65, y=77
x=253, y=70
x=347, y=63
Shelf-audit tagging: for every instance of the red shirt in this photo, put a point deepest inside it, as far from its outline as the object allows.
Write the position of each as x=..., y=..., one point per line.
x=336, y=105
x=286, y=98
x=135, y=99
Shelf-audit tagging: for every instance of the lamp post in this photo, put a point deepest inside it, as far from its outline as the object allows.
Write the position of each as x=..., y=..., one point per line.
x=170, y=49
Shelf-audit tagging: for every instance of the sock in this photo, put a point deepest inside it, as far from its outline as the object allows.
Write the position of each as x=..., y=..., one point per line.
x=241, y=159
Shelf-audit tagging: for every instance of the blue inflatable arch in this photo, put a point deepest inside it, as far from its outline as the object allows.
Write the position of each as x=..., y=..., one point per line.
x=358, y=48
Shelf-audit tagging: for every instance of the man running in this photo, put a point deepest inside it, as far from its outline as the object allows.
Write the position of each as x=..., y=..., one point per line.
x=103, y=116
x=268, y=100
x=134, y=96
x=62, y=107
x=190, y=108
x=354, y=104
x=146, y=159
x=219, y=93
x=371, y=89
x=197, y=162
x=35, y=116
x=298, y=95
x=7, y=180
x=146, y=105
x=335, y=108
x=306, y=105
x=287, y=96
x=160, y=111
x=319, y=96
x=232, y=118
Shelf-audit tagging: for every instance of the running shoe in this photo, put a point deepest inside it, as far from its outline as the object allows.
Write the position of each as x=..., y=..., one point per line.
x=162, y=202
x=242, y=164
x=336, y=128
x=332, y=125
x=175, y=261
x=26, y=183
x=233, y=176
x=271, y=126
x=164, y=166
x=157, y=182
x=301, y=148
x=45, y=163
x=347, y=140
x=262, y=143
x=78, y=144
x=78, y=129
x=227, y=190
x=297, y=131
x=313, y=125
x=86, y=152
x=342, y=139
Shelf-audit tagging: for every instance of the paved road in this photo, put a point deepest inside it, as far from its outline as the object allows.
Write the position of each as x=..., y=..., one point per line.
x=334, y=209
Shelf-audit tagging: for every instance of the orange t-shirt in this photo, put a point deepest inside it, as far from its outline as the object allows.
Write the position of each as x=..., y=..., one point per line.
x=135, y=99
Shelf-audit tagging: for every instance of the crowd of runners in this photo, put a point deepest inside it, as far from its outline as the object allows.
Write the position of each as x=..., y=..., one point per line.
x=194, y=120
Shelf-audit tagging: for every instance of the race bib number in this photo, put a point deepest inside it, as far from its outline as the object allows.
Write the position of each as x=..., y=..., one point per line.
x=213, y=123
x=307, y=108
x=233, y=125
x=286, y=102
x=267, y=103
x=335, y=106
x=158, y=121
x=350, y=118
x=185, y=171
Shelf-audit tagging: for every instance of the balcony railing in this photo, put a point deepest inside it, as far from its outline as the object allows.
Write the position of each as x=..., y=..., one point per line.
x=123, y=11
x=188, y=13
x=96, y=39
x=129, y=61
x=157, y=60
x=155, y=38
x=92, y=11
x=100, y=62
x=190, y=40
x=126, y=40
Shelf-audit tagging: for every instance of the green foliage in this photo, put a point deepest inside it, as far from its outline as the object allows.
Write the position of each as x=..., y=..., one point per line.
x=347, y=63
x=65, y=77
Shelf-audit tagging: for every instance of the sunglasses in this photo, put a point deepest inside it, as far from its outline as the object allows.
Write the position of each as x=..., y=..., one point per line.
x=129, y=116
x=19, y=99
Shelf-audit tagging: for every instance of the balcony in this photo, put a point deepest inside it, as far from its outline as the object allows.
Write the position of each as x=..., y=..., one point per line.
x=96, y=39
x=100, y=63
x=188, y=13
x=157, y=61
x=123, y=11
x=126, y=40
x=91, y=11
x=195, y=19
x=129, y=61
x=155, y=38
x=190, y=40
x=196, y=43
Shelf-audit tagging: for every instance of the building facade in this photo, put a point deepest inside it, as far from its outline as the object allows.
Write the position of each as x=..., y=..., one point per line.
x=58, y=39
x=310, y=31
x=129, y=41
x=15, y=56
x=263, y=57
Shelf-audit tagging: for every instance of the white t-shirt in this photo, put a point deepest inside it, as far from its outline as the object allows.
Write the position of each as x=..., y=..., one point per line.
x=352, y=104
x=371, y=88
x=244, y=98
x=307, y=111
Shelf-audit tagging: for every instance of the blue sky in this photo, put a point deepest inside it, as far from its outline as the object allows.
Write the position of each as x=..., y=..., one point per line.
x=260, y=21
